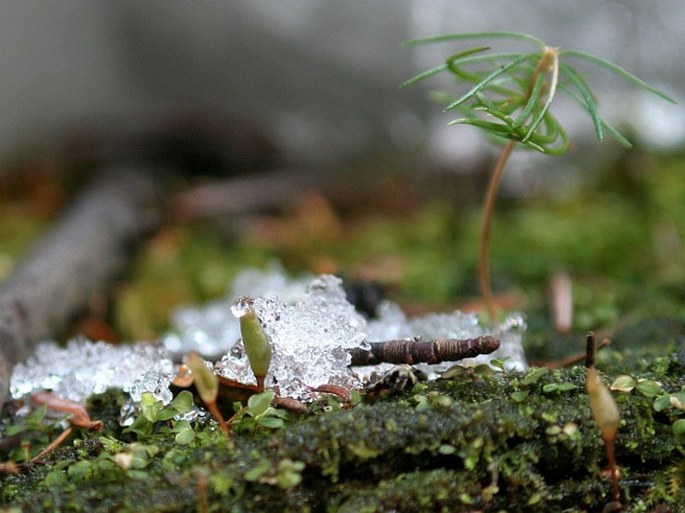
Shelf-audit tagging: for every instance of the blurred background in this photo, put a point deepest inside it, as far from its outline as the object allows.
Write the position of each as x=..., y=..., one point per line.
x=320, y=78
x=313, y=87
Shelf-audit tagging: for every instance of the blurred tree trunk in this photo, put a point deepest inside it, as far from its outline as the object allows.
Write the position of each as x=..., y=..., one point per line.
x=88, y=247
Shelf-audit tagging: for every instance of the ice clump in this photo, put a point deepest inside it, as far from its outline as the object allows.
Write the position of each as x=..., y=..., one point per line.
x=211, y=330
x=311, y=325
x=309, y=340
x=83, y=368
x=308, y=321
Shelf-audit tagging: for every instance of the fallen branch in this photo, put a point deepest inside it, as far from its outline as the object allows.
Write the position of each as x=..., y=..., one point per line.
x=88, y=247
x=416, y=351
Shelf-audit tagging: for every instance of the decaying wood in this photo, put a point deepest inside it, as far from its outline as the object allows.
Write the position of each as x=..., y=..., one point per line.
x=89, y=246
x=416, y=351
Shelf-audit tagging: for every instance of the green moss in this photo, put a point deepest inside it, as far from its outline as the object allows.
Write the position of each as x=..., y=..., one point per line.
x=515, y=442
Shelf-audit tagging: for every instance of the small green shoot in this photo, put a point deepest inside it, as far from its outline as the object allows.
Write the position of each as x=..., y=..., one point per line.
x=259, y=413
x=155, y=415
x=509, y=96
x=207, y=386
x=35, y=432
x=255, y=340
x=671, y=404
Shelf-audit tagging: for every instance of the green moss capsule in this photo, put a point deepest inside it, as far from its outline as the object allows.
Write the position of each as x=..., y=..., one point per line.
x=255, y=341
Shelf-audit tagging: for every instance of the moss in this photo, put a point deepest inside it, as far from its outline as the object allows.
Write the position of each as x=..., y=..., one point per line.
x=515, y=442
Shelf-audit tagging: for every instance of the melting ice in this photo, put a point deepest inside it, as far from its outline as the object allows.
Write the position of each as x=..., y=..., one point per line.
x=309, y=322
x=311, y=335
x=309, y=340
x=83, y=368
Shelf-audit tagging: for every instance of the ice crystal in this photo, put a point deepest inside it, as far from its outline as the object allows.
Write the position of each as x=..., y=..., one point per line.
x=309, y=340
x=211, y=330
x=83, y=368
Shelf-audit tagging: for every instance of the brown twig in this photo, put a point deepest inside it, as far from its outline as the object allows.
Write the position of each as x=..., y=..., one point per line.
x=79, y=416
x=414, y=351
x=572, y=359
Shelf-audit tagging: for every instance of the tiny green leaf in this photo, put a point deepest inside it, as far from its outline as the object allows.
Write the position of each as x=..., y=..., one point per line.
x=183, y=402
x=289, y=473
x=271, y=422
x=185, y=436
x=519, y=396
x=258, y=471
x=517, y=36
x=259, y=403
x=623, y=383
x=661, y=402
x=649, y=387
x=534, y=375
x=488, y=79
x=150, y=406
x=679, y=428
x=617, y=70
x=447, y=449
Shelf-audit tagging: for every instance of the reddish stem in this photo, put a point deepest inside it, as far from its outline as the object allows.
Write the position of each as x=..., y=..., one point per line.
x=488, y=211
x=613, y=469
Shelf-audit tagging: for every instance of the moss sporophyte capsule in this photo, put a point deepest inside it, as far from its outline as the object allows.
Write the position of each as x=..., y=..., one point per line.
x=256, y=344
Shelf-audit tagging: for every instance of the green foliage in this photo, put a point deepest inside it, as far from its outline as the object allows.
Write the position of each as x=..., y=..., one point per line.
x=458, y=444
x=36, y=432
x=287, y=474
x=259, y=414
x=671, y=404
x=511, y=93
x=154, y=415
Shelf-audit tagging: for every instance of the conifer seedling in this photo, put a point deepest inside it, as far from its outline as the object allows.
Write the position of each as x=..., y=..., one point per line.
x=509, y=98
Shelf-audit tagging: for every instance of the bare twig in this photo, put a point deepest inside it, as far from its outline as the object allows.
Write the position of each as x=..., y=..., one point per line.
x=414, y=351
x=570, y=360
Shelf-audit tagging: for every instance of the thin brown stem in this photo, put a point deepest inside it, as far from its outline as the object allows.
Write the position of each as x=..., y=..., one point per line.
x=609, y=442
x=488, y=210
x=216, y=413
x=590, y=349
